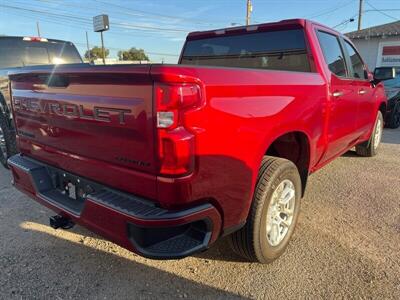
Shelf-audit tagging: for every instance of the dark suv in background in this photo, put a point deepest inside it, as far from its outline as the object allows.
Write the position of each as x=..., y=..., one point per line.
x=392, y=89
x=16, y=52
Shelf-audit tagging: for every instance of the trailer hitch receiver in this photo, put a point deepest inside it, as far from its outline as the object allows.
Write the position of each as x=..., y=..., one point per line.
x=61, y=222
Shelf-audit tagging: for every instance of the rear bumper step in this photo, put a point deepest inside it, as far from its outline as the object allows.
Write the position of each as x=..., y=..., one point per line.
x=130, y=221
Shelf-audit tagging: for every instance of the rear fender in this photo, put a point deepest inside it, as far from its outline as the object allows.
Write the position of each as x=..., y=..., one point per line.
x=267, y=142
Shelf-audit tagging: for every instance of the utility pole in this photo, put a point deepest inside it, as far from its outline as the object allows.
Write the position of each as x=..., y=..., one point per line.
x=249, y=10
x=38, y=28
x=88, y=48
x=360, y=12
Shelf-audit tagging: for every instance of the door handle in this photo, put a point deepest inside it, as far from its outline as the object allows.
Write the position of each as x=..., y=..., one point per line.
x=362, y=92
x=337, y=94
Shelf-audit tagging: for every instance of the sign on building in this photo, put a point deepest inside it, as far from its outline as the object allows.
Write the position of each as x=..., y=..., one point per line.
x=101, y=23
x=388, y=54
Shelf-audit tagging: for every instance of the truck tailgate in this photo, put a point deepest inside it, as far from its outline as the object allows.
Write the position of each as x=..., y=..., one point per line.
x=102, y=115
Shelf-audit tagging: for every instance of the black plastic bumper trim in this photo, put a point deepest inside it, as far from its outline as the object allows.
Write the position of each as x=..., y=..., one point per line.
x=157, y=242
x=42, y=176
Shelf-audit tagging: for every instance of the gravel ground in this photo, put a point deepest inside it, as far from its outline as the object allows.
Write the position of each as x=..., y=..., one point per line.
x=346, y=245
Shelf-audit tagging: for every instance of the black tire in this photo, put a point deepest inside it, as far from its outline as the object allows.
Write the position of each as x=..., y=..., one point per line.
x=252, y=241
x=10, y=147
x=368, y=148
x=394, y=118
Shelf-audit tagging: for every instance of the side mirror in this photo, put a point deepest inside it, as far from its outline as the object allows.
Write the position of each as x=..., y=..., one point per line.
x=383, y=73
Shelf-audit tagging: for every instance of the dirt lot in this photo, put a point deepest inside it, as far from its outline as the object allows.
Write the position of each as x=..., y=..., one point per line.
x=346, y=245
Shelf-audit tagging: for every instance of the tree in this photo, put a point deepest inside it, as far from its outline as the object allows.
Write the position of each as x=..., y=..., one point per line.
x=133, y=54
x=96, y=52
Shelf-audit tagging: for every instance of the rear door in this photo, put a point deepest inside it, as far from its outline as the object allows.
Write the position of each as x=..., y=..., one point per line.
x=343, y=97
x=359, y=79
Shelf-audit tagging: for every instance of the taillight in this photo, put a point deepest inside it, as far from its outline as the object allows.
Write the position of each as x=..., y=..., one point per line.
x=175, y=139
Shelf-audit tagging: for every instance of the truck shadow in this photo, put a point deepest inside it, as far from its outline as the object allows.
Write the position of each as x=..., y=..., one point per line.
x=221, y=251
x=390, y=136
x=105, y=271
x=350, y=153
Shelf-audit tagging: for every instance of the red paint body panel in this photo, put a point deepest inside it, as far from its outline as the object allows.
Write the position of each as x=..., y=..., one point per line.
x=243, y=112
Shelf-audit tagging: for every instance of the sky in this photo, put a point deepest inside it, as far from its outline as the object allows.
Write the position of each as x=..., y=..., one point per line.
x=160, y=27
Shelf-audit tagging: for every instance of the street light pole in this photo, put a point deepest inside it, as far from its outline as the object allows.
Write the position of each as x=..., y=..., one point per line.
x=101, y=23
x=102, y=48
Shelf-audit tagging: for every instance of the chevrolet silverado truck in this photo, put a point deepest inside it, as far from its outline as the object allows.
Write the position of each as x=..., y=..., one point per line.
x=166, y=159
x=17, y=52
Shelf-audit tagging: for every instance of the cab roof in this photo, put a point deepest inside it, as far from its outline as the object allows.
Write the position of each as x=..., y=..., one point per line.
x=22, y=38
x=283, y=24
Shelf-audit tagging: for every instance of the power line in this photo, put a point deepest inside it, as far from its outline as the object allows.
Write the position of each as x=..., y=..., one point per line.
x=91, y=10
x=132, y=12
x=345, y=22
x=329, y=10
x=71, y=23
x=387, y=9
x=124, y=8
x=381, y=12
x=48, y=19
x=116, y=22
x=120, y=25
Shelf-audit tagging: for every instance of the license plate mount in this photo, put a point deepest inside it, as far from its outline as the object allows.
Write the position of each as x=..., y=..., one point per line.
x=71, y=190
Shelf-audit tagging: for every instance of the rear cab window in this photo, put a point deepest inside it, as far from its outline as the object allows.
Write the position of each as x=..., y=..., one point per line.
x=284, y=50
x=16, y=52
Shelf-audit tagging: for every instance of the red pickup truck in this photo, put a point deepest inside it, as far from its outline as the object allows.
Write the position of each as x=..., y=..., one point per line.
x=165, y=159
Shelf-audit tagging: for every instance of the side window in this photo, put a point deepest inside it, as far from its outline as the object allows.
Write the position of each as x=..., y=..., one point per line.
x=356, y=62
x=332, y=53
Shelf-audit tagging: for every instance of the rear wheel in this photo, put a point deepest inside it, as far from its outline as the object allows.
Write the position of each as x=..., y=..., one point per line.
x=273, y=214
x=370, y=148
x=394, y=119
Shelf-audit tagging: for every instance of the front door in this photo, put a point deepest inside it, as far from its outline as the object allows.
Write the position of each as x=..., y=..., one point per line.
x=343, y=97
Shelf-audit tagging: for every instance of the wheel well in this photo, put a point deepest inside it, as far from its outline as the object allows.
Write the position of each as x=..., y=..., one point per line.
x=295, y=147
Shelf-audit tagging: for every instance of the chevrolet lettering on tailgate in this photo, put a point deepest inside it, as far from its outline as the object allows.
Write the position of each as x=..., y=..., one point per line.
x=101, y=114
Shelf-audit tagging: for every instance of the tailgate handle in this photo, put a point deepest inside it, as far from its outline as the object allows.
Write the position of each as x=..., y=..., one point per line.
x=53, y=81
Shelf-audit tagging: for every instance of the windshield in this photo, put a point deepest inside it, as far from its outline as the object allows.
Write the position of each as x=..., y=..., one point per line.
x=273, y=50
x=15, y=52
x=395, y=82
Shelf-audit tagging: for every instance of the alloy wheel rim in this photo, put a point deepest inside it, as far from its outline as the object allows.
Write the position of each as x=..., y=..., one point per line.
x=3, y=147
x=378, y=133
x=280, y=212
